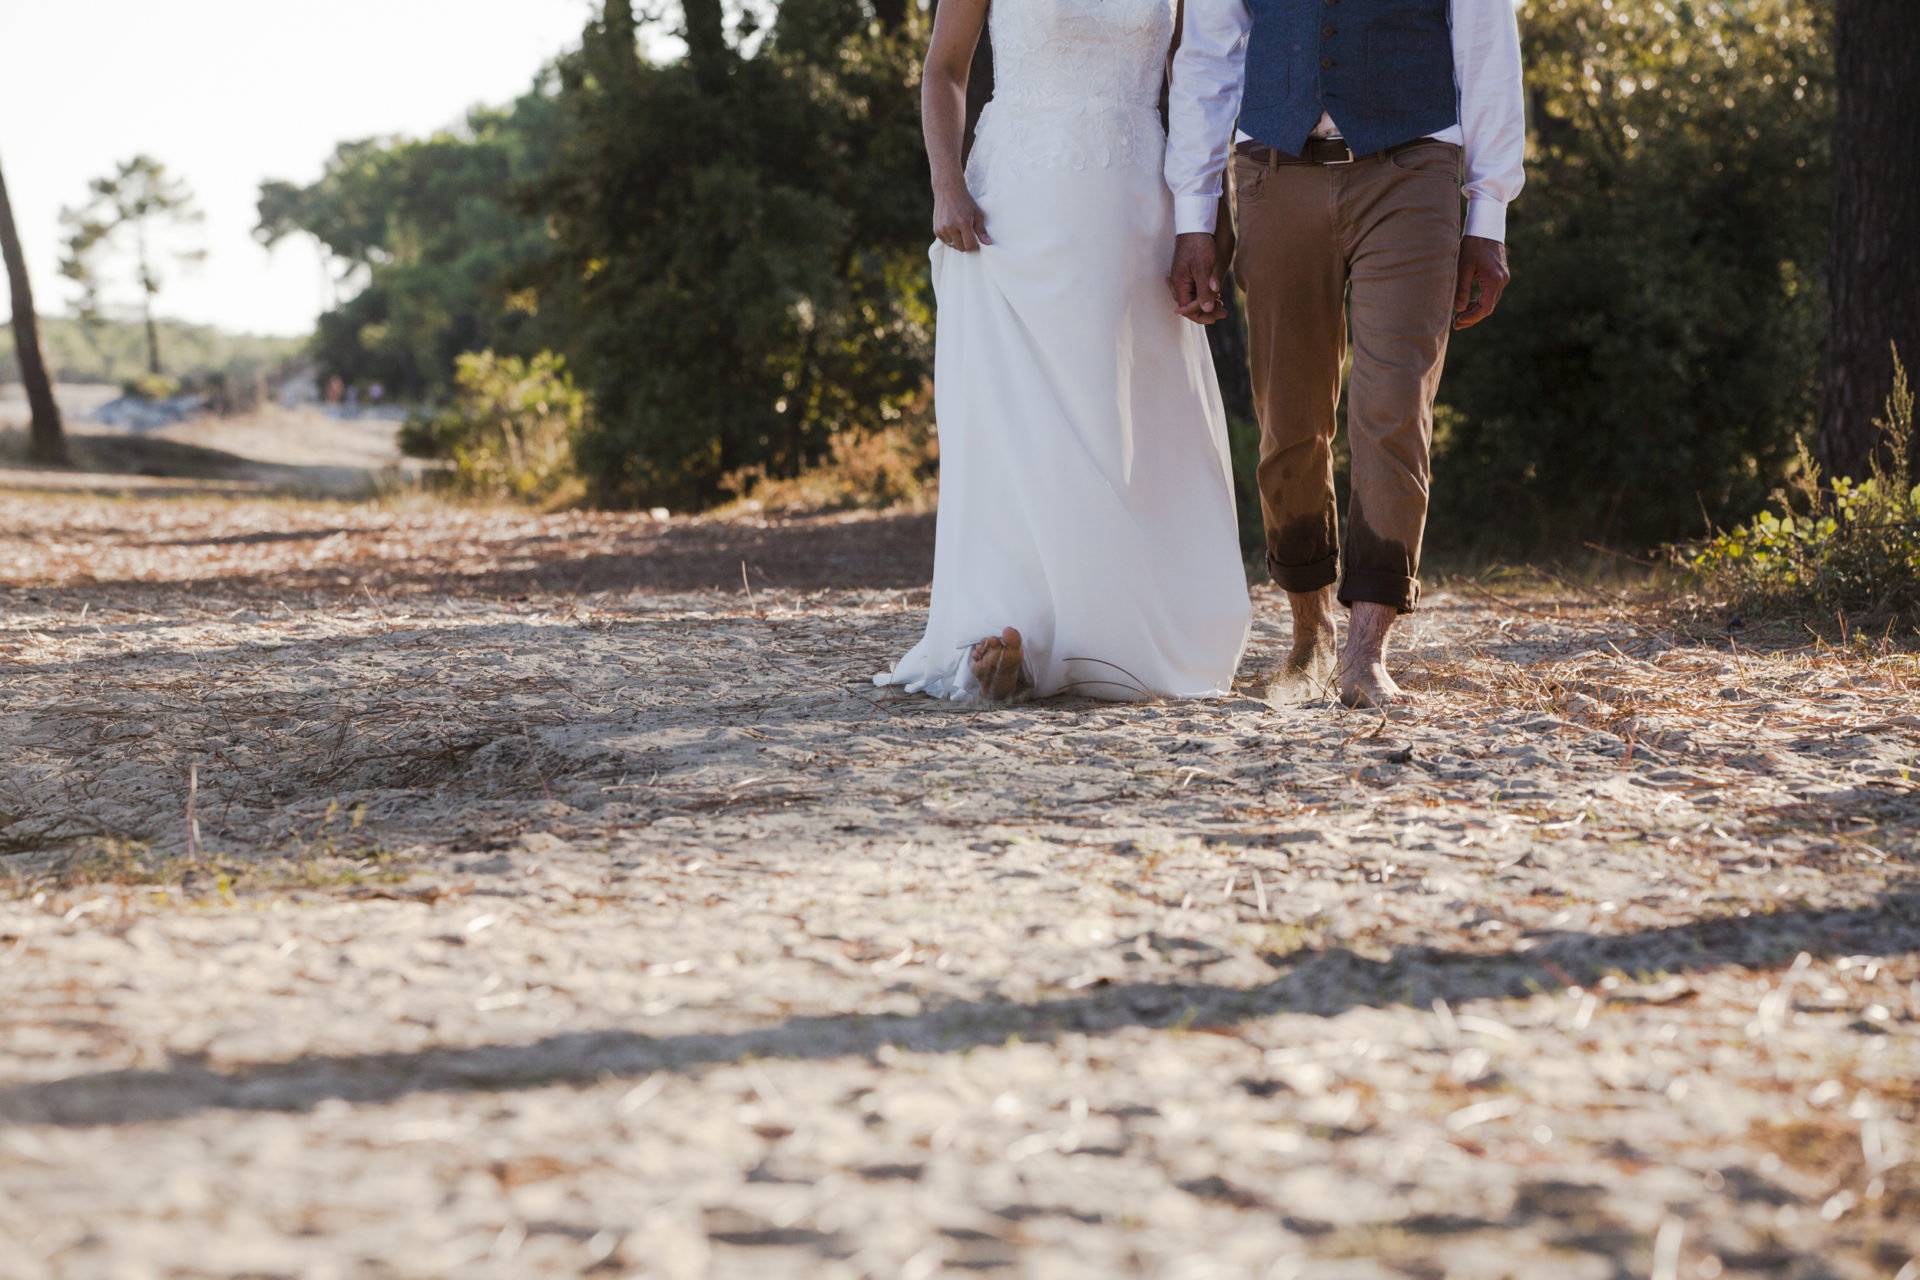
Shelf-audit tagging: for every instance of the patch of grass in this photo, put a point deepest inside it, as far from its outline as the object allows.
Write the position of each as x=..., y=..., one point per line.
x=892, y=469
x=117, y=863
x=1848, y=548
x=100, y=861
x=510, y=433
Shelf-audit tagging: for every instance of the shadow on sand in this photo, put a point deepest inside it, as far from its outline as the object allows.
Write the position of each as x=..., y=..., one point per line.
x=1320, y=983
x=113, y=464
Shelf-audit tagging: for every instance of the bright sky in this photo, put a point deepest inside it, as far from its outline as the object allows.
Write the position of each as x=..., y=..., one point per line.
x=226, y=93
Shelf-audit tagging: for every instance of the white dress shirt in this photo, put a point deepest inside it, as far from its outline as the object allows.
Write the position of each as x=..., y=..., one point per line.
x=1209, y=72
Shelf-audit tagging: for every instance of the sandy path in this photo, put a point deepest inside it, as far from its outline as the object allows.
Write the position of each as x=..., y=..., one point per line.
x=623, y=927
x=77, y=401
x=272, y=451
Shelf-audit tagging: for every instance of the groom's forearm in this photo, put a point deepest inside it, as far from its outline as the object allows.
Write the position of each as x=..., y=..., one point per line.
x=1203, y=101
x=1493, y=119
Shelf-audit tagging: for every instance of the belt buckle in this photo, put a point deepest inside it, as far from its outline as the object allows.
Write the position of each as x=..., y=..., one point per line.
x=1344, y=146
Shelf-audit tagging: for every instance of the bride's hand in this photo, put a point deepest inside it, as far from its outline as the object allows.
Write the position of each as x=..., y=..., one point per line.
x=958, y=222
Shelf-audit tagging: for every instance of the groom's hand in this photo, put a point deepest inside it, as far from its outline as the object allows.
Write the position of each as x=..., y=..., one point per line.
x=1482, y=262
x=1195, y=279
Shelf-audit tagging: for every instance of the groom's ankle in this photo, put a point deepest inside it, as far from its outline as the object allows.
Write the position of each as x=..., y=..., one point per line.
x=1312, y=609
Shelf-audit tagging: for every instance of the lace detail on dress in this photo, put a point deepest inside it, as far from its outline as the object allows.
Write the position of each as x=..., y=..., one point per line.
x=1068, y=133
x=1076, y=84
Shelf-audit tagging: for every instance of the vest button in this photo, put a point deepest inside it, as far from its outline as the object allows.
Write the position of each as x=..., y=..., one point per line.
x=1326, y=64
x=1328, y=31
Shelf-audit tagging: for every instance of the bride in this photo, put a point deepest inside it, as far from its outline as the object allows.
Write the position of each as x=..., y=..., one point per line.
x=1086, y=539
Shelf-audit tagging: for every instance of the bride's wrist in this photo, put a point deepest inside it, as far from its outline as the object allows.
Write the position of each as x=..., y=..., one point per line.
x=949, y=186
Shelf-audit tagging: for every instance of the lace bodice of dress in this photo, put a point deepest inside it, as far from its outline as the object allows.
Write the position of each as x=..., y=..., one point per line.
x=1076, y=82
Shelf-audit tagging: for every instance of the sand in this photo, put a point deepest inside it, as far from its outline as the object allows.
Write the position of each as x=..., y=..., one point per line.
x=403, y=891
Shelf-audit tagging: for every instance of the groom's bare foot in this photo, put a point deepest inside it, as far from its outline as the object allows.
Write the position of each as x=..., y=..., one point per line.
x=1369, y=685
x=1308, y=672
x=999, y=664
x=1364, y=681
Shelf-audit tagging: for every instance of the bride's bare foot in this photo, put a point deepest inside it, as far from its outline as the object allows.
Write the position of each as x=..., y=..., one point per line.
x=1364, y=681
x=999, y=664
x=1309, y=669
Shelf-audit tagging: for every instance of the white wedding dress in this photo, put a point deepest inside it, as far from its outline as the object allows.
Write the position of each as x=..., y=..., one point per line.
x=1086, y=495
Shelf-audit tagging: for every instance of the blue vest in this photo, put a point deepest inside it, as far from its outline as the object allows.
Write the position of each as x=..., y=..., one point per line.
x=1383, y=69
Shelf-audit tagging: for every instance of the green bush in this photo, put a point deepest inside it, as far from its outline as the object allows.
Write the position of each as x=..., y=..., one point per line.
x=741, y=299
x=1660, y=345
x=1853, y=548
x=510, y=433
x=888, y=470
x=150, y=387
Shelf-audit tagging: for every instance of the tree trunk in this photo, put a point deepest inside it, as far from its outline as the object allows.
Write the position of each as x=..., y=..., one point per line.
x=1874, y=272
x=612, y=54
x=49, y=441
x=148, y=288
x=153, y=344
x=707, y=44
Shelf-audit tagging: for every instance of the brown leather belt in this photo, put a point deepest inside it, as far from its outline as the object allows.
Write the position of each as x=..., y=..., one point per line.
x=1325, y=151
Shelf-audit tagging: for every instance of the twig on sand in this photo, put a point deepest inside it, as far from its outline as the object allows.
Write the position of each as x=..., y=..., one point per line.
x=1502, y=601
x=1378, y=730
x=1620, y=554
x=194, y=848
x=533, y=759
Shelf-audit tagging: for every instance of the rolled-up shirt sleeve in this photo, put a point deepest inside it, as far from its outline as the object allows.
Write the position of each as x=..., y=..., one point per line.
x=1203, y=101
x=1493, y=111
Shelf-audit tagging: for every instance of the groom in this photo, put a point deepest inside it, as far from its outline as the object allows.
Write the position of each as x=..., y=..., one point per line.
x=1359, y=125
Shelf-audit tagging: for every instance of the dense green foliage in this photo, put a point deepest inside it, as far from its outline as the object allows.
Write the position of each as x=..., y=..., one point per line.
x=426, y=226
x=728, y=251
x=114, y=351
x=510, y=431
x=738, y=264
x=1845, y=548
x=1660, y=346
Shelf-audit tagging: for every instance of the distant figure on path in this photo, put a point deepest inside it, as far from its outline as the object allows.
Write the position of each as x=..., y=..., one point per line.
x=1355, y=120
x=1087, y=541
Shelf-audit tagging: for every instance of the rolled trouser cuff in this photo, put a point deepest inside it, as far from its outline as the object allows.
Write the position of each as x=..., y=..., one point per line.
x=1304, y=579
x=1395, y=590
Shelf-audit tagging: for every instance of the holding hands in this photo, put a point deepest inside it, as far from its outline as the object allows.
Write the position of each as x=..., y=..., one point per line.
x=1200, y=259
x=1195, y=278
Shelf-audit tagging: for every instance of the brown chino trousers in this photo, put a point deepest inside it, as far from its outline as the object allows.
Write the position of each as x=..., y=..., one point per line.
x=1378, y=239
